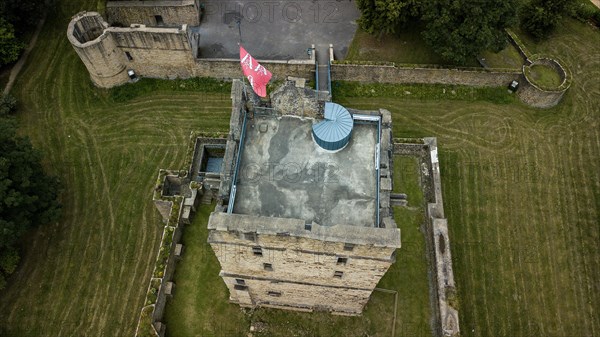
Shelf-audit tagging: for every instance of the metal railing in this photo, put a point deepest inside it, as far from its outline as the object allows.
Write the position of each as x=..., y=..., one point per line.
x=237, y=166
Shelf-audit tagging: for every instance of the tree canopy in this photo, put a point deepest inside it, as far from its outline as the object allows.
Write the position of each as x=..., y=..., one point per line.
x=458, y=30
x=28, y=197
x=22, y=13
x=540, y=17
x=386, y=16
x=10, y=46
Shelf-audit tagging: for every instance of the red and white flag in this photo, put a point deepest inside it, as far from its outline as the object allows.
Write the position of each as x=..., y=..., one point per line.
x=257, y=75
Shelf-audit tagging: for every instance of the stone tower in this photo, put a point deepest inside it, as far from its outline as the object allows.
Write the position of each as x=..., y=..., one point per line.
x=299, y=227
x=97, y=49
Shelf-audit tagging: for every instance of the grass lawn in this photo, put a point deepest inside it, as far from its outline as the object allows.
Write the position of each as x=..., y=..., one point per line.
x=521, y=188
x=508, y=58
x=87, y=274
x=521, y=191
x=200, y=306
x=407, y=46
x=544, y=76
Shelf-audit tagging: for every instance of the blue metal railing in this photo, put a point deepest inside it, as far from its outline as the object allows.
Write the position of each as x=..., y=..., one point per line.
x=329, y=76
x=237, y=166
x=377, y=177
x=316, y=72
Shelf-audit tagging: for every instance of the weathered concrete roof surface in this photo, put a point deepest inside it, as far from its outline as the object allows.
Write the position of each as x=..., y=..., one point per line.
x=379, y=237
x=285, y=174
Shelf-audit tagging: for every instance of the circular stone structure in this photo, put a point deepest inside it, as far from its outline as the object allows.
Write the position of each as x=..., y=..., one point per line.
x=97, y=49
x=334, y=132
x=539, y=96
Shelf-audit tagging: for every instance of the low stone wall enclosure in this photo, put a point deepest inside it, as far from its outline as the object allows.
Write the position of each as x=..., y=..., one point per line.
x=442, y=286
x=177, y=209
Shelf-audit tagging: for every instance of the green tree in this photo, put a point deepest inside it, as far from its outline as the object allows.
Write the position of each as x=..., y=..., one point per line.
x=8, y=105
x=386, y=16
x=28, y=197
x=10, y=46
x=460, y=30
x=22, y=13
x=540, y=17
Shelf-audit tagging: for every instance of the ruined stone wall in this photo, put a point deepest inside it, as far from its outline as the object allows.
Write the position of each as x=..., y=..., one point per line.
x=396, y=74
x=150, y=52
x=161, y=298
x=230, y=68
x=156, y=52
x=442, y=286
x=531, y=94
x=97, y=49
x=109, y=52
x=172, y=13
x=537, y=96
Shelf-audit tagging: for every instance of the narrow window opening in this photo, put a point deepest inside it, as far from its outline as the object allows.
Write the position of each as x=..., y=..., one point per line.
x=348, y=247
x=274, y=293
x=342, y=260
x=268, y=266
x=251, y=236
x=129, y=58
x=159, y=20
x=240, y=287
x=240, y=281
x=338, y=274
x=257, y=251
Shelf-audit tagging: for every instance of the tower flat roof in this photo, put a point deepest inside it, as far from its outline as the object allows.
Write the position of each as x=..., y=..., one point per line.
x=285, y=174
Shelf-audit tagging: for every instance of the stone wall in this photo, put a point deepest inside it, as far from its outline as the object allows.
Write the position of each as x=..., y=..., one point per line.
x=155, y=52
x=97, y=49
x=172, y=13
x=169, y=270
x=395, y=74
x=443, y=288
x=301, y=260
x=303, y=263
x=298, y=296
x=228, y=69
x=151, y=52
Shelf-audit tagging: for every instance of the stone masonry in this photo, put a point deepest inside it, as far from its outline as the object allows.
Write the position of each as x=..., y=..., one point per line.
x=108, y=52
x=153, y=13
x=156, y=51
x=297, y=263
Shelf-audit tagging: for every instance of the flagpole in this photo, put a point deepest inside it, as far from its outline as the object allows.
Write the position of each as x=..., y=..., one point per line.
x=239, y=24
x=238, y=21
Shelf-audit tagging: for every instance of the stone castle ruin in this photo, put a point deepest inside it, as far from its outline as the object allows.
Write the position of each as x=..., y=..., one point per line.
x=161, y=39
x=304, y=223
x=303, y=218
x=109, y=52
x=156, y=39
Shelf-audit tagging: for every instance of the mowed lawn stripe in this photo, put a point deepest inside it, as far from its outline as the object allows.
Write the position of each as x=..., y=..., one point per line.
x=89, y=274
x=86, y=276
